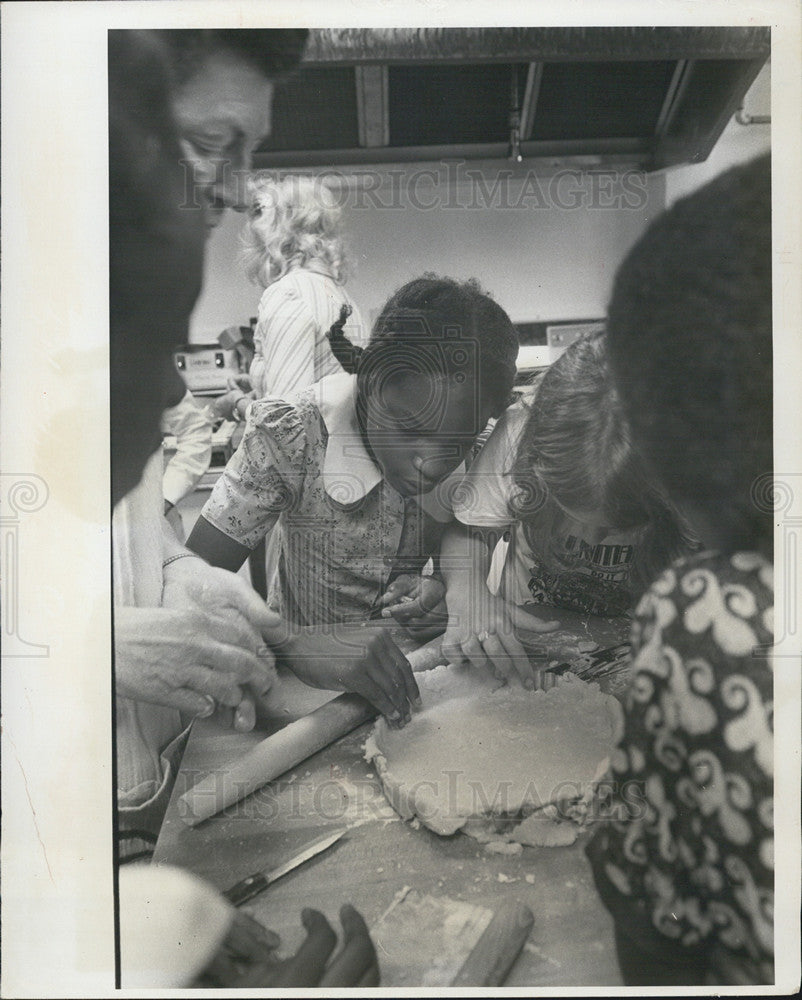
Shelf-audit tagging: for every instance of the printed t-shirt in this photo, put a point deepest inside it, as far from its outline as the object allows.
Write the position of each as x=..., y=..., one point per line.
x=569, y=565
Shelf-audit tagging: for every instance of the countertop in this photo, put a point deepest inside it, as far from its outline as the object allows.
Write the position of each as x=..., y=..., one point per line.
x=571, y=943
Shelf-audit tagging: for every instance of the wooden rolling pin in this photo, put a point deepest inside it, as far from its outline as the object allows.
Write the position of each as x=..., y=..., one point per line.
x=426, y=657
x=274, y=756
x=288, y=748
x=494, y=954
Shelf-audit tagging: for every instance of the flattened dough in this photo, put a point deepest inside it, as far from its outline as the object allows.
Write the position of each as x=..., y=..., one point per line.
x=476, y=750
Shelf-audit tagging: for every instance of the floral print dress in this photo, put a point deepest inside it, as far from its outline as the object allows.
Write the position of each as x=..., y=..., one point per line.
x=344, y=532
x=687, y=862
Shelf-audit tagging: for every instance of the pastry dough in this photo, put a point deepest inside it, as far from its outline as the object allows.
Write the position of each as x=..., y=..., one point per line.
x=477, y=750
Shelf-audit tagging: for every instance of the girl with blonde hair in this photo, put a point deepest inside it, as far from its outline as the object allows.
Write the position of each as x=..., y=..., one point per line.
x=308, y=327
x=294, y=248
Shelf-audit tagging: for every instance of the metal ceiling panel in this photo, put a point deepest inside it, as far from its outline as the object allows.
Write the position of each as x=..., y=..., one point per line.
x=659, y=96
x=394, y=45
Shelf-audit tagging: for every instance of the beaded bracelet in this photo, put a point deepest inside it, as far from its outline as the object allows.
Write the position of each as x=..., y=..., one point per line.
x=180, y=555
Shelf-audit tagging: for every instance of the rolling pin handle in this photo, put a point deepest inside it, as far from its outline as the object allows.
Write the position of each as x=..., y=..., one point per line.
x=495, y=952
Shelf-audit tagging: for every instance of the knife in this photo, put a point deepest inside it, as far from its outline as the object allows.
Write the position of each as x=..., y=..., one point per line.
x=602, y=662
x=259, y=881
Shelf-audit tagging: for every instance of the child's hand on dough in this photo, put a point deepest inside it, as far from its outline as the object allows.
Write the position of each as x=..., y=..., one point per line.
x=481, y=630
x=418, y=603
x=359, y=660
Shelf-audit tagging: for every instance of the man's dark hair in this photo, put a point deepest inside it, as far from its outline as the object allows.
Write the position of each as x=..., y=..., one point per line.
x=690, y=341
x=155, y=251
x=274, y=52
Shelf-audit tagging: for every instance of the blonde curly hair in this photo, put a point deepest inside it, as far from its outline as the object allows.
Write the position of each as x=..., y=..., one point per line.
x=293, y=222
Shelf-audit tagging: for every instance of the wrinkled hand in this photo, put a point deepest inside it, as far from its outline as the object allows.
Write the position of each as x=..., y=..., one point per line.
x=243, y=717
x=203, y=646
x=183, y=660
x=418, y=603
x=363, y=661
x=192, y=582
x=247, y=957
x=481, y=630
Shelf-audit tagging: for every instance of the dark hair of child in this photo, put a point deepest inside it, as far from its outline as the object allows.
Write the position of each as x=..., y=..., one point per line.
x=575, y=451
x=274, y=52
x=690, y=329
x=447, y=329
x=344, y=351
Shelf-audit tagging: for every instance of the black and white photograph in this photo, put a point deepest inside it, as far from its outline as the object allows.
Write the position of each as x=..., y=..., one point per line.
x=401, y=446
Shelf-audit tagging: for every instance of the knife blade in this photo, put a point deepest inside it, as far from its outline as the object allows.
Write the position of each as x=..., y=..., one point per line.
x=252, y=885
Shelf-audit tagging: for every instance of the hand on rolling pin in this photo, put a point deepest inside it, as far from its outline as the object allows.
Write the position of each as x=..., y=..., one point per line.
x=481, y=630
x=246, y=958
x=361, y=661
x=231, y=605
x=418, y=603
x=185, y=660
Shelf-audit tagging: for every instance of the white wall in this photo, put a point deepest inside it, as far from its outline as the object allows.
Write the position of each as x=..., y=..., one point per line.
x=540, y=259
x=228, y=298
x=546, y=247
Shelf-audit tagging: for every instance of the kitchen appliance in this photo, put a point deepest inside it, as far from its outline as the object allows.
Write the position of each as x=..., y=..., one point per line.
x=543, y=342
x=206, y=368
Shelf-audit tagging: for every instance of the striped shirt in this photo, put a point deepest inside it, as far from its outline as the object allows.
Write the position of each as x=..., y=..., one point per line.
x=292, y=348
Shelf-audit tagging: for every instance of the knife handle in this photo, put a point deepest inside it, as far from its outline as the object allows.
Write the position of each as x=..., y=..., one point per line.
x=246, y=889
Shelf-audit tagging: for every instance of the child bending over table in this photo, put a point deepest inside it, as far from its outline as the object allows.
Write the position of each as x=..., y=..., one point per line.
x=587, y=528
x=355, y=475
